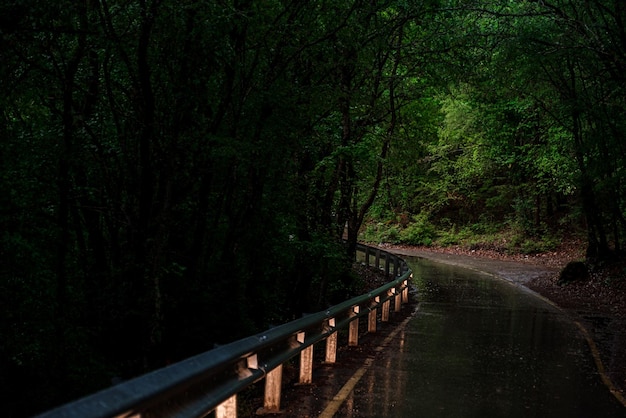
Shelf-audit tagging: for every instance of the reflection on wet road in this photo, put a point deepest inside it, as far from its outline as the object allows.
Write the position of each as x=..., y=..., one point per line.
x=481, y=347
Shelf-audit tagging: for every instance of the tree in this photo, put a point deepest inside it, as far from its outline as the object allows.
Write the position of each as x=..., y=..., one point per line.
x=531, y=95
x=582, y=59
x=189, y=160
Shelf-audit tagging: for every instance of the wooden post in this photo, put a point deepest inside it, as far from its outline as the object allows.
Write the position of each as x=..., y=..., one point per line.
x=371, y=317
x=273, y=386
x=385, y=313
x=377, y=258
x=306, y=362
x=397, y=302
x=331, y=344
x=227, y=409
x=387, y=265
x=353, y=334
x=405, y=292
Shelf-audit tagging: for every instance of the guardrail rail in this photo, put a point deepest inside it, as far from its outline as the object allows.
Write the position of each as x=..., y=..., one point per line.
x=210, y=382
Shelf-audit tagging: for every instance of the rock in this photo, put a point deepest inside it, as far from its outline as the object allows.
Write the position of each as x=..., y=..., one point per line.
x=573, y=271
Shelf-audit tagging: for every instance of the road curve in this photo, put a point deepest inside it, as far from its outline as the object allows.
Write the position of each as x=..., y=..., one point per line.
x=480, y=347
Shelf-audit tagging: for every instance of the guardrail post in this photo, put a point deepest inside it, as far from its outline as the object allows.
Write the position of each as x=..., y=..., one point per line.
x=397, y=305
x=405, y=291
x=306, y=362
x=229, y=369
x=353, y=334
x=396, y=267
x=385, y=313
x=387, y=265
x=227, y=409
x=371, y=318
x=273, y=386
x=331, y=344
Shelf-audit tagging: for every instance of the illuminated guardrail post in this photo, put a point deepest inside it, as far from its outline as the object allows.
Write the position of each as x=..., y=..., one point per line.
x=306, y=362
x=331, y=343
x=227, y=409
x=181, y=389
x=397, y=299
x=385, y=312
x=273, y=387
x=353, y=333
x=405, y=291
x=371, y=317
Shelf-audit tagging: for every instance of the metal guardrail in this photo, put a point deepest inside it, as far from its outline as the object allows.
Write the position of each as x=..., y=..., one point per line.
x=210, y=381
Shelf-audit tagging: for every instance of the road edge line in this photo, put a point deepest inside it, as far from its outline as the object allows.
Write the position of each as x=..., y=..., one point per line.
x=341, y=396
x=595, y=352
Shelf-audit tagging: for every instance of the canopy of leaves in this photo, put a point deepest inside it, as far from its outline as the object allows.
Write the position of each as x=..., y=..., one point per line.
x=179, y=174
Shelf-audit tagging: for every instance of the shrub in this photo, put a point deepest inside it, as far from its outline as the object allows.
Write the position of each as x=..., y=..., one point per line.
x=419, y=232
x=379, y=232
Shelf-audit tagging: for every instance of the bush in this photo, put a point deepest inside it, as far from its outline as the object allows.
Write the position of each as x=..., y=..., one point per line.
x=371, y=233
x=379, y=232
x=391, y=235
x=419, y=232
x=543, y=244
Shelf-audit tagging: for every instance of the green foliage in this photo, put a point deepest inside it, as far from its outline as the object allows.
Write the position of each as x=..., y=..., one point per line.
x=419, y=232
x=452, y=235
x=544, y=244
x=484, y=234
x=167, y=161
x=523, y=214
x=381, y=233
x=163, y=161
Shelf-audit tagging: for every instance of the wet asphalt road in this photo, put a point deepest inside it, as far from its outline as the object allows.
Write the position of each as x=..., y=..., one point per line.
x=479, y=346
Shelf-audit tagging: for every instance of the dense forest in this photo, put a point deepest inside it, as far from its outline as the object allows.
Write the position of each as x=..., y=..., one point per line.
x=179, y=174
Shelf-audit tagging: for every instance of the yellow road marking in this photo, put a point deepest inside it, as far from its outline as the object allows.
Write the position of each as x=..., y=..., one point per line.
x=334, y=405
x=345, y=391
x=595, y=353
